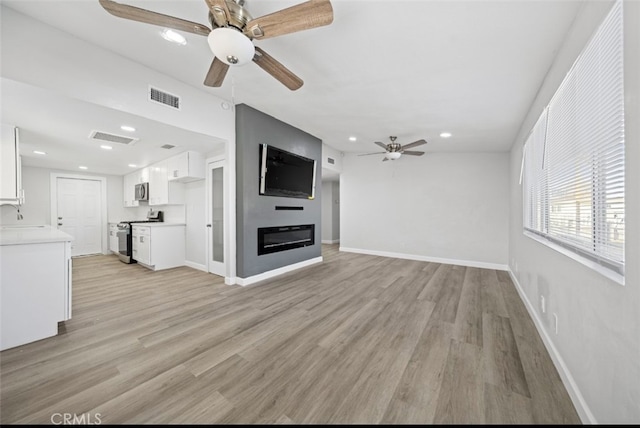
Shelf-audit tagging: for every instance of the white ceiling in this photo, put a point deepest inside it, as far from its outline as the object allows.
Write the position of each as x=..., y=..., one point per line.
x=60, y=126
x=406, y=68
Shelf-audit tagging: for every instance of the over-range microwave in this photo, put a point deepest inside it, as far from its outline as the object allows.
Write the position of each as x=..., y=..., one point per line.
x=142, y=192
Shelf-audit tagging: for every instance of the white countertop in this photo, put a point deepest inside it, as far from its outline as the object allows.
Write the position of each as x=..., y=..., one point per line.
x=159, y=224
x=18, y=235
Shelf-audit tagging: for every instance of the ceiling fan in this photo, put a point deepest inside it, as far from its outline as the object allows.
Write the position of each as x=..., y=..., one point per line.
x=394, y=150
x=233, y=31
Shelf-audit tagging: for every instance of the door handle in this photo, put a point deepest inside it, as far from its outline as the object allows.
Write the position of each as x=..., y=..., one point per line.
x=208, y=225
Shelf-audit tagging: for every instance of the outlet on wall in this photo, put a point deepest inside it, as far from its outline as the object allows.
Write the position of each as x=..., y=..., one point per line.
x=543, y=305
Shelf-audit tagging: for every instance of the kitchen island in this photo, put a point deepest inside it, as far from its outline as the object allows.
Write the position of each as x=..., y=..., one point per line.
x=35, y=283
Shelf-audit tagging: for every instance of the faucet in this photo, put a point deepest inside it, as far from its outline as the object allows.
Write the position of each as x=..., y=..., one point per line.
x=17, y=207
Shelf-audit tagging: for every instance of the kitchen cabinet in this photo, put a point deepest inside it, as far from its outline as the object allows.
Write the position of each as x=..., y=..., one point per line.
x=161, y=190
x=10, y=166
x=158, y=184
x=35, y=283
x=186, y=167
x=129, y=190
x=113, y=238
x=141, y=245
x=142, y=175
x=129, y=183
x=158, y=246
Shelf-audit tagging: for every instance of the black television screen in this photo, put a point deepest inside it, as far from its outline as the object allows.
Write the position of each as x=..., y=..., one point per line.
x=286, y=174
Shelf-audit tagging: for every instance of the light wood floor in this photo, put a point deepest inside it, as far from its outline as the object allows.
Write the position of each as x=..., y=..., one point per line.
x=356, y=339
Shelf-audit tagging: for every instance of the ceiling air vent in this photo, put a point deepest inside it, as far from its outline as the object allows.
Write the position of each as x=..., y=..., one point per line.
x=112, y=138
x=163, y=97
x=167, y=146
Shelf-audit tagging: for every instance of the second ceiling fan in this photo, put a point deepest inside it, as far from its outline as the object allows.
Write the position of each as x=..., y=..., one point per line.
x=394, y=150
x=233, y=31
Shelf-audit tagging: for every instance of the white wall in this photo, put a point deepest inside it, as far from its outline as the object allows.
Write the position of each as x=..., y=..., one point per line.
x=597, y=348
x=452, y=207
x=330, y=152
x=35, y=182
x=37, y=207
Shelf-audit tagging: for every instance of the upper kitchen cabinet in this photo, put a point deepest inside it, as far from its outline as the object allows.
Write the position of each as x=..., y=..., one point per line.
x=185, y=167
x=161, y=191
x=143, y=175
x=10, y=167
x=129, y=189
x=129, y=183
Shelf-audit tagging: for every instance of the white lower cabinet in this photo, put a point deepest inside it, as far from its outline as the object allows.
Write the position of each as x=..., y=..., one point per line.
x=35, y=285
x=159, y=246
x=113, y=238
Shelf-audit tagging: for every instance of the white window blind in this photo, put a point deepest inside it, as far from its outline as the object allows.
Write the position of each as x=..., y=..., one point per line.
x=574, y=156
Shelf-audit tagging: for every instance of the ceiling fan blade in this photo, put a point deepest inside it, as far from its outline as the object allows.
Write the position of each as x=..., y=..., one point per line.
x=383, y=145
x=216, y=74
x=142, y=15
x=414, y=144
x=304, y=16
x=369, y=154
x=219, y=11
x=385, y=159
x=277, y=70
x=412, y=153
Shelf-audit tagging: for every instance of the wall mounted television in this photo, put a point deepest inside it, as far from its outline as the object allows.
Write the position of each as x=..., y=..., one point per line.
x=286, y=174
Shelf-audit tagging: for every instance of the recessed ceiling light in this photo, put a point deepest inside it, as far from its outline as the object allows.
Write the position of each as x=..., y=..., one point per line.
x=128, y=128
x=83, y=167
x=445, y=134
x=104, y=146
x=132, y=165
x=352, y=138
x=38, y=152
x=174, y=37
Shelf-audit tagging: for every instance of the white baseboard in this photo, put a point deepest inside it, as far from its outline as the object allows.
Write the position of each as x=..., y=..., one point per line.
x=329, y=241
x=585, y=414
x=196, y=266
x=276, y=272
x=470, y=263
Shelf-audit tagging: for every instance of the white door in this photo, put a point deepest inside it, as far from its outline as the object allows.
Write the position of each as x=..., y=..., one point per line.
x=79, y=214
x=215, y=217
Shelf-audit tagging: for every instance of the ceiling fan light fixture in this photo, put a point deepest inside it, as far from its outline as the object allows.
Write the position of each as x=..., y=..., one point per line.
x=231, y=46
x=393, y=155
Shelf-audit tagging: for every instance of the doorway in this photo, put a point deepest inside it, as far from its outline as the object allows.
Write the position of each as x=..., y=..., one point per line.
x=331, y=210
x=78, y=208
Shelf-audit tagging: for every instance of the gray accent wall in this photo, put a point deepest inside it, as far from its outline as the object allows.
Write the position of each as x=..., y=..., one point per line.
x=254, y=210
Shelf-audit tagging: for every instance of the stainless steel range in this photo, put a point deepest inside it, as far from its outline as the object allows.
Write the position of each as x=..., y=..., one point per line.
x=125, y=243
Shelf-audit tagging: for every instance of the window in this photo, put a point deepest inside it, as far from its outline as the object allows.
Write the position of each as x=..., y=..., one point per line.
x=573, y=167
